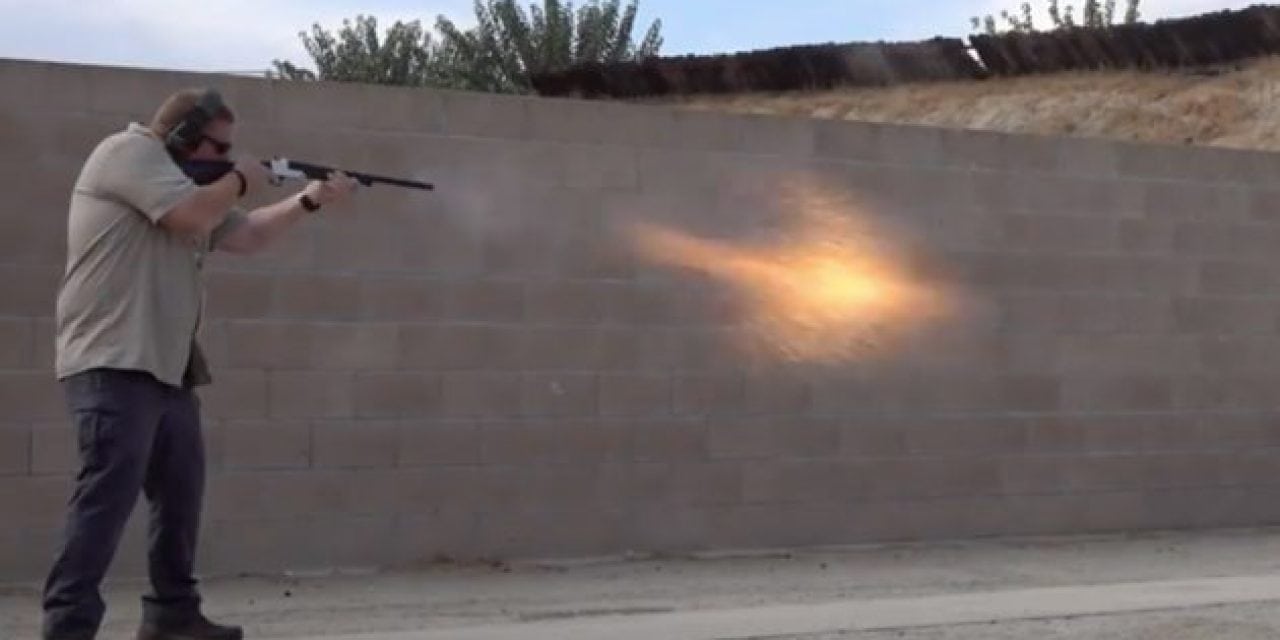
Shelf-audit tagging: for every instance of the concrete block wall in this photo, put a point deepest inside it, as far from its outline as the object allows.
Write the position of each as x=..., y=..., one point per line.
x=493, y=370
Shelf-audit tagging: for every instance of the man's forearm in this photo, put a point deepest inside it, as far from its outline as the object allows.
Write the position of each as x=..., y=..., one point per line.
x=267, y=223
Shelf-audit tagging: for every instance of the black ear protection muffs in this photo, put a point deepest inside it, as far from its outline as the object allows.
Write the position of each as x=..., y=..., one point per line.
x=187, y=134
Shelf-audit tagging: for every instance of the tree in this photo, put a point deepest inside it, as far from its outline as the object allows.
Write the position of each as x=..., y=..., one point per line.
x=1093, y=14
x=406, y=55
x=505, y=49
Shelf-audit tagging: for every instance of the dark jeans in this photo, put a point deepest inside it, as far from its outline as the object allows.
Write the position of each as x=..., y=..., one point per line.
x=136, y=436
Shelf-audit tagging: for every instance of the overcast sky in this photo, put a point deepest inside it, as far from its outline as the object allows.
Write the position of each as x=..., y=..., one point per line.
x=246, y=35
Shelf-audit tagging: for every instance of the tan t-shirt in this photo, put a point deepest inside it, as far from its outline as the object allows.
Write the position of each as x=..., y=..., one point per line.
x=132, y=296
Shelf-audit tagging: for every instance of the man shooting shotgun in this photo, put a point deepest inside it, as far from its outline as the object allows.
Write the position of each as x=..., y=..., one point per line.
x=126, y=353
x=206, y=171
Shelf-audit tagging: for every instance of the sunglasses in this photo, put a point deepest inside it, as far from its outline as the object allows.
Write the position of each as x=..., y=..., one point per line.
x=218, y=145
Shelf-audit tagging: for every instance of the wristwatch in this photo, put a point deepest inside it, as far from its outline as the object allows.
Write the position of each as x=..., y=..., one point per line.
x=309, y=204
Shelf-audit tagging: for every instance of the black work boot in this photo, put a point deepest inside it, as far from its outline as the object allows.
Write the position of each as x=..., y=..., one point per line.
x=197, y=627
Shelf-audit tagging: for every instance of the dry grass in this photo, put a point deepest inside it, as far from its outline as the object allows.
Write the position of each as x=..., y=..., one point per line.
x=1237, y=107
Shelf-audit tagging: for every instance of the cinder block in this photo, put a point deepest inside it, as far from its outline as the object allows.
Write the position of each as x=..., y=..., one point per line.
x=809, y=482
x=750, y=439
x=28, y=290
x=1190, y=469
x=26, y=396
x=15, y=449
x=354, y=346
x=264, y=444
x=540, y=486
x=447, y=489
x=1262, y=205
x=350, y=240
x=566, y=301
x=1059, y=233
x=459, y=346
x=235, y=294
x=617, y=349
x=402, y=299
x=1106, y=471
x=708, y=394
x=960, y=476
x=1204, y=314
x=636, y=483
x=1113, y=313
x=588, y=122
x=848, y=140
x=1145, y=392
x=309, y=394
x=294, y=250
x=481, y=395
x=37, y=240
x=576, y=348
x=317, y=297
x=1226, y=353
x=670, y=440
x=427, y=443
x=34, y=500
x=687, y=129
x=448, y=242
x=438, y=536
x=485, y=116
x=552, y=532
x=484, y=300
x=397, y=395
x=967, y=436
x=599, y=167
x=666, y=529
x=235, y=394
x=585, y=253
x=43, y=87
x=1194, y=201
x=800, y=437
x=1130, y=353
x=44, y=343
x=270, y=344
x=275, y=493
x=53, y=448
x=871, y=439
x=348, y=444
x=560, y=394
x=1255, y=467
x=16, y=343
x=1156, y=162
x=1236, y=278
x=1034, y=475
x=1232, y=241
x=1094, y=158
x=786, y=137
x=706, y=483
x=400, y=110
x=1144, y=236
x=663, y=170
x=634, y=395
x=521, y=444
x=299, y=105
x=776, y=394
x=589, y=441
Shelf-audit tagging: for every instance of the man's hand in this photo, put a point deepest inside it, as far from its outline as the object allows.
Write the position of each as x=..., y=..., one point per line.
x=256, y=174
x=335, y=189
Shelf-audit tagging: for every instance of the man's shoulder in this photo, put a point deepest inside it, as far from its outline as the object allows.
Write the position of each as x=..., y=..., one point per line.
x=134, y=145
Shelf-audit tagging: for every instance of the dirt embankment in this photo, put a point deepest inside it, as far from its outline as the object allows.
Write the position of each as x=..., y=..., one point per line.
x=1235, y=107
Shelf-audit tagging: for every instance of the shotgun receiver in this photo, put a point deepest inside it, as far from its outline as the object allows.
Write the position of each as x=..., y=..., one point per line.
x=206, y=171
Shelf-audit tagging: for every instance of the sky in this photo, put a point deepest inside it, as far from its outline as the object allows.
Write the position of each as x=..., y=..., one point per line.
x=244, y=36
